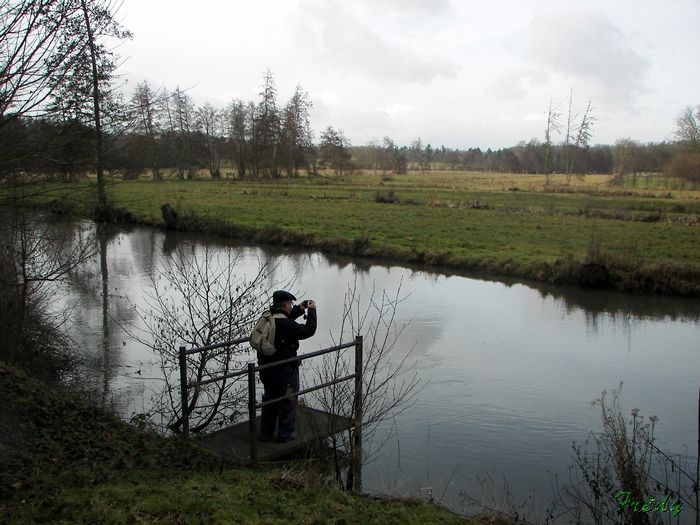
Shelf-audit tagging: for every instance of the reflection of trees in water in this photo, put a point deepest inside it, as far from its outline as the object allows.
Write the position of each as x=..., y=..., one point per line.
x=623, y=321
x=595, y=303
x=36, y=254
x=358, y=265
x=623, y=309
x=625, y=312
x=273, y=255
x=599, y=307
x=98, y=304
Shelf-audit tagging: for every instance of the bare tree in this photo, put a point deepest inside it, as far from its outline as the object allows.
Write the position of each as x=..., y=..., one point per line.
x=297, y=136
x=201, y=298
x=418, y=154
x=335, y=150
x=392, y=157
x=267, y=130
x=54, y=63
x=553, y=126
x=685, y=166
x=147, y=121
x=178, y=110
x=570, y=117
x=210, y=122
x=389, y=385
x=33, y=46
x=239, y=122
x=374, y=150
x=54, y=66
x=688, y=128
x=86, y=92
x=34, y=255
x=625, y=160
x=577, y=136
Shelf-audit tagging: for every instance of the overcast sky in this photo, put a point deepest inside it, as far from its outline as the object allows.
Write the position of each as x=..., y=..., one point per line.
x=458, y=73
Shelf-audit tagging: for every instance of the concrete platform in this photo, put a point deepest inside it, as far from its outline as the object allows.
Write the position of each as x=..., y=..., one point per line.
x=312, y=424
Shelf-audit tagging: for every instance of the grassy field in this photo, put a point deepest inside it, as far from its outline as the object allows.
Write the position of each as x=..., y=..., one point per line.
x=644, y=238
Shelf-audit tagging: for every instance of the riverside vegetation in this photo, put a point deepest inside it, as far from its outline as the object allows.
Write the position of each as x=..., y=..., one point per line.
x=590, y=233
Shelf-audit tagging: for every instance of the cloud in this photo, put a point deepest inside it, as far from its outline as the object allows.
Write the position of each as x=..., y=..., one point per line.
x=340, y=40
x=396, y=110
x=508, y=86
x=513, y=85
x=587, y=46
x=413, y=7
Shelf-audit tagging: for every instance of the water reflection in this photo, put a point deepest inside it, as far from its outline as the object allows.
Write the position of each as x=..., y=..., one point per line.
x=510, y=367
x=626, y=306
x=98, y=308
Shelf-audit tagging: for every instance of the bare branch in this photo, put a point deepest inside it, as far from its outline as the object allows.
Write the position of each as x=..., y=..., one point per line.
x=389, y=384
x=200, y=298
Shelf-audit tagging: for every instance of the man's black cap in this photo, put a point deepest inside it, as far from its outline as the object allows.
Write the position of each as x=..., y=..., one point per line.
x=281, y=296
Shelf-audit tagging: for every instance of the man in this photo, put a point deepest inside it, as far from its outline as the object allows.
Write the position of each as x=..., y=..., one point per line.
x=276, y=380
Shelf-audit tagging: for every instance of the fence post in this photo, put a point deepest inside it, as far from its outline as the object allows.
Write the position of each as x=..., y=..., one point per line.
x=252, y=434
x=357, y=409
x=183, y=393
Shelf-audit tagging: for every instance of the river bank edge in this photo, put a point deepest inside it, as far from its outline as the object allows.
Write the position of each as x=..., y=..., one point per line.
x=68, y=460
x=600, y=269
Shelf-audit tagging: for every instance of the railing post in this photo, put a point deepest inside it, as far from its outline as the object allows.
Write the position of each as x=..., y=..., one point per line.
x=357, y=409
x=697, y=472
x=251, y=413
x=183, y=393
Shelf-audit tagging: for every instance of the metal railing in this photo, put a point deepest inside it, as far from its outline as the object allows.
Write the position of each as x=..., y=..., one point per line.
x=253, y=405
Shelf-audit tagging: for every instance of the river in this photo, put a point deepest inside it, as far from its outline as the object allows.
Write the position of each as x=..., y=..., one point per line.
x=508, y=369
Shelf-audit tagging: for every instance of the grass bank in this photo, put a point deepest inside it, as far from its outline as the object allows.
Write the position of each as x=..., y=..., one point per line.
x=65, y=461
x=640, y=240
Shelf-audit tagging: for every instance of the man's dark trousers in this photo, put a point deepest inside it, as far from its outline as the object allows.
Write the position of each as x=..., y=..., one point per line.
x=276, y=381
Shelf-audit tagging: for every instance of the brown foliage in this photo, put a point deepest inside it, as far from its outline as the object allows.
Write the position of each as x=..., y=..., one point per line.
x=686, y=166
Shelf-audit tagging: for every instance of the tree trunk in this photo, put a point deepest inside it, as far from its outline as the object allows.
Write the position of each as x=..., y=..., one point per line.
x=99, y=153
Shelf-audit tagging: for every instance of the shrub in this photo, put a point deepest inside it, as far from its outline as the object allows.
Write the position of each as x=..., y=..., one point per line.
x=386, y=197
x=624, y=459
x=686, y=166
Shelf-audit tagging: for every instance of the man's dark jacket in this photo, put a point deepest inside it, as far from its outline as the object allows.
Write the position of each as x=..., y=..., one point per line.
x=288, y=333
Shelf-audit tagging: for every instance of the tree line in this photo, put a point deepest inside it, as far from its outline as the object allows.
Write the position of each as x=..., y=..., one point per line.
x=263, y=140
x=63, y=116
